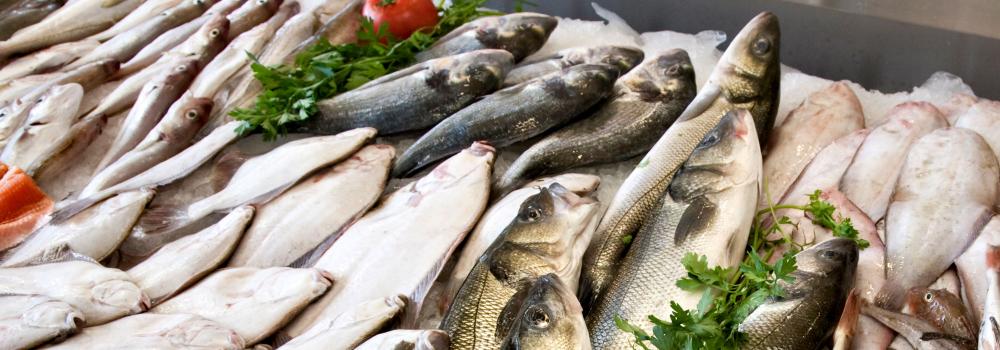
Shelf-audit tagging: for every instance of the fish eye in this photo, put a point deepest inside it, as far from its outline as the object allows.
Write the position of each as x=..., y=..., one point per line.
x=829, y=254
x=534, y=214
x=214, y=33
x=711, y=139
x=761, y=47
x=181, y=68
x=674, y=69
x=191, y=114
x=928, y=296
x=199, y=2
x=537, y=317
x=261, y=2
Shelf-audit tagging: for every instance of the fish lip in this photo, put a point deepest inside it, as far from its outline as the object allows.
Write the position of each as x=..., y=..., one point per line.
x=481, y=148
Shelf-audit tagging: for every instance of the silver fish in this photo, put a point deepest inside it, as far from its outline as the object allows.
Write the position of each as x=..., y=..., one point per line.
x=25, y=13
x=521, y=34
x=351, y=328
x=141, y=14
x=250, y=14
x=76, y=20
x=47, y=60
x=47, y=123
x=623, y=57
x=549, y=317
x=155, y=331
x=27, y=321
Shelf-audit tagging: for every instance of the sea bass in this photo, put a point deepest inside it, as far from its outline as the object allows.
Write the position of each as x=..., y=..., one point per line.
x=520, y=33
x=645, y=102
x=154, y=331
x=623, y=57
x=746, y=77
x=707, y=210
x=549, y=317
x=351, y=328
x=27, y=321
x=76, y=20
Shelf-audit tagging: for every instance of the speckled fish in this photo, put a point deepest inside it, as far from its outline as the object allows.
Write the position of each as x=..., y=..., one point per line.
x=25, y=13
x=46, y=60
x=823, y=117
x=746, y=77
x=513, y=114
x=871, y=178
x=708, y=210
x=95, y=233
x=946, y=192
x=971, y=266
x=416, y=339
x=253, y=302
x=312, y=214
x=47, y=123
x=400, y=246
x=644, y=104
x=154, y=331
x=351, y=328
x=76, y=20
x=989, y=329
x=160, y=276
x=913, y=329
x=100, y=294
x=549, y=317
x=807, y=314
x=521, y=34
x=141, y=14
x=942, y=309
x=427, y=93
x=623, y=57
x=27, y=321
x=549, y=235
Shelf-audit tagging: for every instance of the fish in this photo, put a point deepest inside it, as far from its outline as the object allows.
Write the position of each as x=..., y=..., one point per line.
x=823, y=117
x=826, y=169
x=754, y=54
x=982, y=117
x=352, y=327
x=101, y=294
x=707, y=210
x=623, y=57
x=971, y=266
x=645, y=102
x=95, y=233
x=76, y=20
x=156, y=331
x=947, y=188
x=942, y=309
x=171, y=135
x=339, y=23
x=401, y=245
x=913, y=329
x=428, y=93
x=949, y=282
x=46, y=60
x=269, y=297
x=68, y=171
x=872, y=175
x=548, y=317
x=312, y=214
x=520, y=33
x=27, y=321
x=549, y=234
x=807, y=314
x=160, y=277
x=249, y=15
x=25, y=13
x=989, y=329
x=48, y=122
x=416, y=339
x=154, y=100
x=255, y=182
x=513, y=114
x=24, y=207
x=143, y=13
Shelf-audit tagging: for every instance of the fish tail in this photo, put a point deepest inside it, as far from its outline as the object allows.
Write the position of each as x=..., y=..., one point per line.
x=891, y=296
x=844, y=333
x=993, y=257
x=163, y=218
x=64, y=212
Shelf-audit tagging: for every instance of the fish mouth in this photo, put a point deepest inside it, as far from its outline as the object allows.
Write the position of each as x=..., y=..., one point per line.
x=568, y=198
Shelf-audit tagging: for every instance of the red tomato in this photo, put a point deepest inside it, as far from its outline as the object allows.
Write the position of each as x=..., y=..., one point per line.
x=402, y=16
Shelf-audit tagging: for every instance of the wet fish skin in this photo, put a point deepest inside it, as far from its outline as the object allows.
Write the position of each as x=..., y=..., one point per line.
x=549, y=317
x=27, y=321
x=249, y=15
x=428, y=93
x=623, y=57
x=351, y=328
x=942, y=309
x=521, y=34
x=48, y=122
x=746, y=77
x=141, y=14
x=513, y=114
x=46, y=60
x=812, y=304
x=911, y=328
x=155, y=331
x=76, y=20
x=25, y=13
x=416, y=339
x=708, y=210
x=644, y=104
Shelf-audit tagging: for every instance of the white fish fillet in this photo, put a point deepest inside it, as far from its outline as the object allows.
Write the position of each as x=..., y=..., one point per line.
x=254, y=302
x=27, y=321
x=315, y=211
x=971, y=267
x=155, y=331
x=416, y=339
x=351, y=328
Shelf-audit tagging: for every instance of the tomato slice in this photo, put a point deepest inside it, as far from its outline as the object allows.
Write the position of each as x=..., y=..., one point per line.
x=403, y=17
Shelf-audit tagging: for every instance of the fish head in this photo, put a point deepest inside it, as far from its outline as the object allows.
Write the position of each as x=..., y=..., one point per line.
x=622, y=57
x=728, y=156
x=271, y=6
x=550, y=317
x=749, y=72
x=197, y=110
x=589, y=80
x=213, y=34
x=925, y=301
x=183, y=71
x=120, y=295
x=665, y=77
x=520, y=33
x=481, y=70
x=52, y=313
x=836, y=258
x=203, y=333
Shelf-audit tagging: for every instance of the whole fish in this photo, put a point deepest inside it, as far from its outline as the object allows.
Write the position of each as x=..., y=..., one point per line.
x=623, y=57
x=644, y=104
x=428, y=93
x=312, y=214
x=95, y=233
x=513, y=114
x=971, y=266
x=160, y=277
x=989, y=329
x=47, y=60
x=27, y=321
x=25, y=13
x=746, y=77
x=708, y=210
x=141, y=14
x=47, y=123
x=253, y=302
x=549, y=317
x=913, y=329
x=416, y=339
x=351, y=328
x=807, y=314
x=155, y=331
x=549, y=235
x=250, y=14
x=76, y=20
x=171, y=135
x=100, y=294
x=155, y=98
x=826, y=115
x=983, y=118
x=942, y=309
x=69, y=170
x=521, y=34
x=947, y=188
x=400, y=246
x=873, y=173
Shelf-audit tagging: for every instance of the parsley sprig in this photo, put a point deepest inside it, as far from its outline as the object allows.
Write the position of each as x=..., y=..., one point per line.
x=324, y=70
x=731, y=294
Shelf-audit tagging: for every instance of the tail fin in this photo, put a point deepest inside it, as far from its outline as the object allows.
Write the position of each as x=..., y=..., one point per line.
x=848, y=321
x=66, y=211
